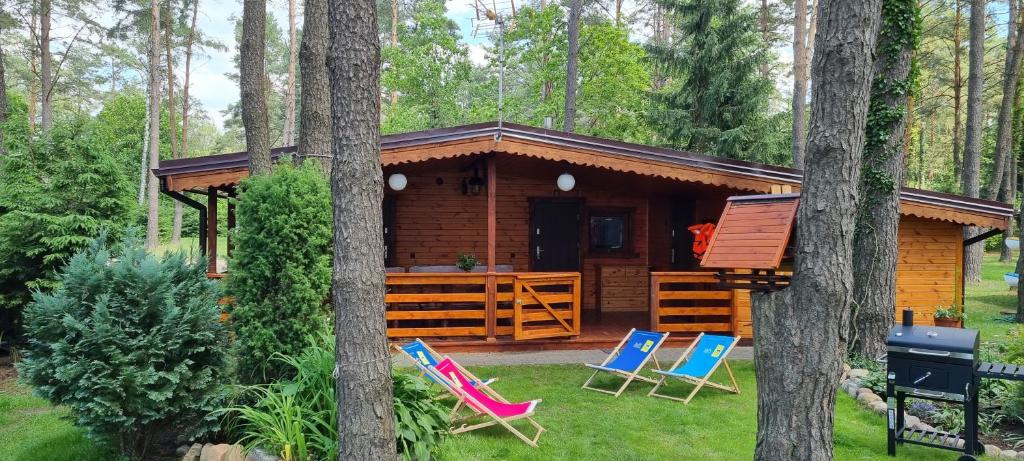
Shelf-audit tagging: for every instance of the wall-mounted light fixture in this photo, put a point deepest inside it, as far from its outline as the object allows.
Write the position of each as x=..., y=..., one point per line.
x=397, y=182
x=566, y=182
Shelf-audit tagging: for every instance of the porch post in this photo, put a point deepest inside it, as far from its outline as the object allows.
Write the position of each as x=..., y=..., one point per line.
x=491, y=322
x=211, y=230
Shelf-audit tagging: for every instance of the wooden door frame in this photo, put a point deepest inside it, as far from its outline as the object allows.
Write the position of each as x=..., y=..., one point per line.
x=580, y=202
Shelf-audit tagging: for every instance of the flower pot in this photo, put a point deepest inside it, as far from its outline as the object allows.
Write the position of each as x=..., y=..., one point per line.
x=948, y=322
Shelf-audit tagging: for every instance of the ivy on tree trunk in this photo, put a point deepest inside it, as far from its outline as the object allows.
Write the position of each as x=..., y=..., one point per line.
x=877, y=233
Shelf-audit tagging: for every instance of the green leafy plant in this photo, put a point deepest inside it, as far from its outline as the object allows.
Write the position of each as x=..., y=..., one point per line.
x=949, y=312
x=296, y=417
x=420, y=423
x=131, y=343
x=466, y=262
x=280, y=270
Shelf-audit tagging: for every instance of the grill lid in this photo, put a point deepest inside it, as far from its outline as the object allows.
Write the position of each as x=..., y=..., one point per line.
x=961, y=340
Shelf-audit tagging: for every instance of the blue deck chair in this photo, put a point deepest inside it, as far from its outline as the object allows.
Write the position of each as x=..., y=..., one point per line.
x=426, y=359
x=628, y=358
x=702, y=358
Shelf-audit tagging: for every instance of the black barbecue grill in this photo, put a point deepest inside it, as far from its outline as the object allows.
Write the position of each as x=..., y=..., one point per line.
x=937, y=363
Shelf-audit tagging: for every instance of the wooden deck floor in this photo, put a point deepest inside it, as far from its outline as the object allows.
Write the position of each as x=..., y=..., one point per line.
x=594, y=334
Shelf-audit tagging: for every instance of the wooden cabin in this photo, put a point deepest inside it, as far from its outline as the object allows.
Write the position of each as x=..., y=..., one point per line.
x=579, y=238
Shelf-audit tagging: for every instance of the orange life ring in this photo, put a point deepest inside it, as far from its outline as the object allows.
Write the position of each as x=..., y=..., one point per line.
x=701, y=238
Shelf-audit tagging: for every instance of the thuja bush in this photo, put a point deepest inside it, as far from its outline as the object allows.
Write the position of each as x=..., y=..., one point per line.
x=132, y=344
x=280, y=270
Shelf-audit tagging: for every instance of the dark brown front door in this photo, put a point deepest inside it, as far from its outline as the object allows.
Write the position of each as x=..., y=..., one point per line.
x=388, y=215
x=683, y=216
x=555, y=235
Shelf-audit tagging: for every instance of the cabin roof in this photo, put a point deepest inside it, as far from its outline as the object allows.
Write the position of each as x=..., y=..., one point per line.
x=227, y=169
x=752, y=233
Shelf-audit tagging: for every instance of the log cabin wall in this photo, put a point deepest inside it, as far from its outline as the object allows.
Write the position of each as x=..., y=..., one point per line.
x=435, y=221
x=929, y=272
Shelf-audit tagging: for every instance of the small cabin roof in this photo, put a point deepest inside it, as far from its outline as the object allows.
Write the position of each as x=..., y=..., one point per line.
x=226, y=170
x=752, y=233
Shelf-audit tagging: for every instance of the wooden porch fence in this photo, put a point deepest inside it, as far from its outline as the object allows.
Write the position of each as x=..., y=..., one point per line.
x=459, y=305
x=691, y=302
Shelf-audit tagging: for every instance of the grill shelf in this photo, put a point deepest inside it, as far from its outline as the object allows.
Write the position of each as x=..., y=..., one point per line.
x=1001, y=371
x=937, y=439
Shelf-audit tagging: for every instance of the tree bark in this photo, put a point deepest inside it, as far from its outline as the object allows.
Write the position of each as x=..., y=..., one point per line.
x=1004, y=131
x=252, y=85
x=394, y=39
x=973, y=132
x=877, y=230
x=365, y=408
x=958, y=86
x=315, y=126
x=45, y=65
x=1009, y=192
x=802, y=331
x=800, y=46
x=185, y=103
x=293, y=47
x=172, y=124
x=152, y=188
x=3, y=99
x=765, y=19
x=571, y=63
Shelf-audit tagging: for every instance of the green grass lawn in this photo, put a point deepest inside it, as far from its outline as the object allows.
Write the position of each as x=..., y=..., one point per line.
x=580, y=424
x=590, y=425
x=33, y=430
x=987, y=301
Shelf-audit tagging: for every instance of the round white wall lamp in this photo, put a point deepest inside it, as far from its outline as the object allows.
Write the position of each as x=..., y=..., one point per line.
x=397, y=181
x=566, y=182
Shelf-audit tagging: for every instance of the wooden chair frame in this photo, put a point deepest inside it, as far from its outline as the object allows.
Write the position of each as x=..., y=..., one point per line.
x=628, y=376
x=467, y=401
x=699, y=383
x=397, y=348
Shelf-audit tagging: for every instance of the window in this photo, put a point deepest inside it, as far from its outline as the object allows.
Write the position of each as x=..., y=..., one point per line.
x=610, y=231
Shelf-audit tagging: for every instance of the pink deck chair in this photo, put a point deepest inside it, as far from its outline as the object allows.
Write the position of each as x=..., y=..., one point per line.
x=482, y=400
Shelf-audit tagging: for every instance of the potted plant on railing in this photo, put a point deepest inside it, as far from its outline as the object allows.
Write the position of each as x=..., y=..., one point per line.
x=466, y=262
x=949, y=316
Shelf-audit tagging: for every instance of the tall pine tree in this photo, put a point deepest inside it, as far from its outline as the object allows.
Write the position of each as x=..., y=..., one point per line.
x=716, y=101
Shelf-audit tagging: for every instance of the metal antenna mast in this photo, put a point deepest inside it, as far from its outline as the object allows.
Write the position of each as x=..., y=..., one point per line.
x=493, y=18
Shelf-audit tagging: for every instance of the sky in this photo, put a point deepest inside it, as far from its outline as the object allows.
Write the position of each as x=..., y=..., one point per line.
x=217, y=19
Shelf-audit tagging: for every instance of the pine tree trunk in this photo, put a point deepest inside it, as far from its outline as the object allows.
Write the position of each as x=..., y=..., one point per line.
x=800, y=46
x=394, y=40
x=185, y=103
x=152, y=188
x=1019, y=269
x=172, y=124
x=973, y=133
x=801, y=331
x=293, y=47
x=45, y=64
x=766, y=35
x=365, y=408
x=252, y=85
x=315, y=126
x=958, y=86
x=877, y=230
x=1004, y=133
x=571, y=63
x=3, y=98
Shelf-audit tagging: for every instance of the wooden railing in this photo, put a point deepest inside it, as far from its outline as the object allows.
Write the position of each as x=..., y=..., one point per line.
x=691, y=302
x=458, y=305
